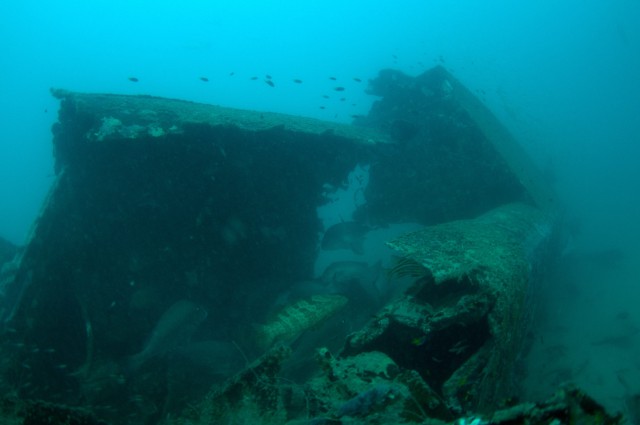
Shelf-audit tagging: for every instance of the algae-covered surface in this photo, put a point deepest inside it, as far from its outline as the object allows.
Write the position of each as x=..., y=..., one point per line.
x=469, y=312
x=497, y=241
x=135, y=116
x=161, y=203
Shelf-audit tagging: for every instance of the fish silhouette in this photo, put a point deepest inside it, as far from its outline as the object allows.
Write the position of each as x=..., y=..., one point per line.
x=173, y=330
x=352, y=278
x=346, y=235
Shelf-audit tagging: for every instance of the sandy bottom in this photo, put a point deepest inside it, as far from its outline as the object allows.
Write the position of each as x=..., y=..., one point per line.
x=587, y=331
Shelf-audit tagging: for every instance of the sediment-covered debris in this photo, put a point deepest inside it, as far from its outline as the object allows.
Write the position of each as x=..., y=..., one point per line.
x=255, y=395
x=462, y=325
x=370, y=388
x=157, y=201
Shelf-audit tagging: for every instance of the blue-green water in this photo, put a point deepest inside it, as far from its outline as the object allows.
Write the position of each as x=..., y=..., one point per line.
x=562, y=76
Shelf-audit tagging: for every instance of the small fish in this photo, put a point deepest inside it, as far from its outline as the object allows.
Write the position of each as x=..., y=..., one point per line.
x=291, y=321
x=322, y=107
x=342, y=99
x=460, y=347
x=419, y=341
x=231, y=74
x=205, y=79
x=357, y=80
x=133, y=79
x=270, y=82
x=253, y=78
x=333, y=78
x=353, y=279
x=325, y=96
x=365, y=402
x=346, y=235
x=339, y=88
x=623, y=315
x=623, y=339
x=297, y=81
x=268, y=77
x=174, y=329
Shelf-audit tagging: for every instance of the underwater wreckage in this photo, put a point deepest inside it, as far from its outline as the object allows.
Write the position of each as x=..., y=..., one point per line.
x=172, y=227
